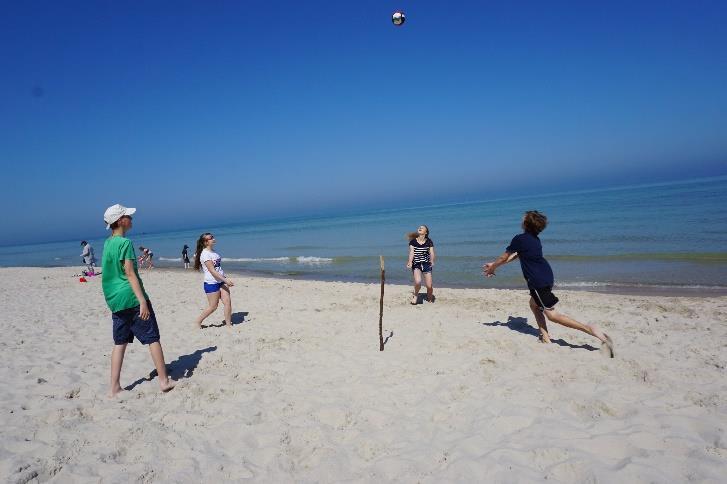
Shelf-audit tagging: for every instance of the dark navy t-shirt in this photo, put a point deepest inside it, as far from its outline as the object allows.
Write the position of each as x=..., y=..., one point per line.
x=535, y=268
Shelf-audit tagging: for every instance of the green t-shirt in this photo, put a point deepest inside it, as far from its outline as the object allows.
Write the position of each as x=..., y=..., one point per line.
x=116, y=287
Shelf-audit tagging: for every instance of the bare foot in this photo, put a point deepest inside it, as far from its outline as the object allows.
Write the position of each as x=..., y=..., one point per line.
x=430, y=298
x=115, y=391
x=544, y=337
x=168, y=385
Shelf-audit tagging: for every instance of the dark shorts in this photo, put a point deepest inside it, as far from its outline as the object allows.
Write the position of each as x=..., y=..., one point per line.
x=544, y=297
x=211, y=288
x=425, y=267
x=128, y=324
x=186, y=260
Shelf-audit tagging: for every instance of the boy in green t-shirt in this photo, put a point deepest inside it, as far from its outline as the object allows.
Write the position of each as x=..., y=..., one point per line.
x=131, y=311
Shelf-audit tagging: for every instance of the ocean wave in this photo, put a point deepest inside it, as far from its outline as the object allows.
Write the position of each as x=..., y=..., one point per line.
x=697, y=257
x=289, y=260
x=313, y=260
x=637, y=285
x=171, y=259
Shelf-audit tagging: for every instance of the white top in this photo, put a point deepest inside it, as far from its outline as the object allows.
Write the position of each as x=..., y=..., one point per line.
x=87, y=254
x=216, y=262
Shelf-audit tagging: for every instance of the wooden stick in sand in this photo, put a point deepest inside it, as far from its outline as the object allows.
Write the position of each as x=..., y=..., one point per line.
x=381, y=305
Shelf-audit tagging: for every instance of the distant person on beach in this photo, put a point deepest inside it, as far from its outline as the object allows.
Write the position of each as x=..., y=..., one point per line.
x=131, y=311
x=216, y=286
x=146, y=257
x=540, y=280
x=185, y=256
x=89, y=259
x=421, y=261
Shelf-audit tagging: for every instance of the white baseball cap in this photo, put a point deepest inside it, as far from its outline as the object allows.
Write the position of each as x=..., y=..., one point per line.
x=115, y=212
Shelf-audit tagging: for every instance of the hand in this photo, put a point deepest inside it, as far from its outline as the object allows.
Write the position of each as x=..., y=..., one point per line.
x=489, y=269
x=144, y=310
x=229, y=282
x=408, y=265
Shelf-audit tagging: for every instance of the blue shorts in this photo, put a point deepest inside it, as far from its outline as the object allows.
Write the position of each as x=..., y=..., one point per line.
x=425, y=267
x=128, y=324
x=212, y=288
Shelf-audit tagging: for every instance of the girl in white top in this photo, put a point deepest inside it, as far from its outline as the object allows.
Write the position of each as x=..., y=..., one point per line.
x=216, y=285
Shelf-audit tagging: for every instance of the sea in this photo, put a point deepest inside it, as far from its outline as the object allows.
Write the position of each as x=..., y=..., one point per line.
x=668, y=238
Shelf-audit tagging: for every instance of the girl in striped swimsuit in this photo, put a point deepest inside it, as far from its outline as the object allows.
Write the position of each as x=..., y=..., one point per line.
x=421, y=261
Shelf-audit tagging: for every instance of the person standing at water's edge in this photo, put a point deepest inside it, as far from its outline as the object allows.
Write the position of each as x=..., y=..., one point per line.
x=216, y=286
x=539, y=276
x=185, y=256
x=88, y=257
x=131, y=310
x=421, y=261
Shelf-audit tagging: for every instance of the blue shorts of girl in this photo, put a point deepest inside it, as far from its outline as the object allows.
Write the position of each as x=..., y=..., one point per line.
x=425, y=267
x=128, y=324
x=213, y=287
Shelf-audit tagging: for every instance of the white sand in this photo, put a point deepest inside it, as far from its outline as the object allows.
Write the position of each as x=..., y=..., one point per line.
x=300, y=392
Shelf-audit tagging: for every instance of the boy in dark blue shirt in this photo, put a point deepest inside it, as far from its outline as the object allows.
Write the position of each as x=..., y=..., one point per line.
x=539, y=276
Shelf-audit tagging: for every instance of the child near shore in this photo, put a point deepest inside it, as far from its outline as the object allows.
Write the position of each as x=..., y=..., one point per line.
x=216, y=285
x=539, y=276
x=131, y=311
x=421, y=262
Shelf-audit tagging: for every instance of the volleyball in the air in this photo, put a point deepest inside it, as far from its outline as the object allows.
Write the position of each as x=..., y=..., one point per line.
x=398, y=18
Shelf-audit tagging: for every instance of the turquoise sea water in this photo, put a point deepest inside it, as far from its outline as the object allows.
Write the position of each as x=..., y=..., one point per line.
x=670, y=235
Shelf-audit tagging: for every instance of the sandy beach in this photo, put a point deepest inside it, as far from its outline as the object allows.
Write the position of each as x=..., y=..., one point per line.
x=297, y=389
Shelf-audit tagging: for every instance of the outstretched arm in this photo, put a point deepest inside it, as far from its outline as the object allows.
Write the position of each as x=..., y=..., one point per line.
x=490, y=267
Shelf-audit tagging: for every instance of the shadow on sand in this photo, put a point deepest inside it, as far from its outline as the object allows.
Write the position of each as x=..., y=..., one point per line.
x=521, y=326
x=237, y=318
x=182, y=367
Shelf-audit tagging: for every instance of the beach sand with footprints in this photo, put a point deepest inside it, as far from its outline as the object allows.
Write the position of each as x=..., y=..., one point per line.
x=297, y=390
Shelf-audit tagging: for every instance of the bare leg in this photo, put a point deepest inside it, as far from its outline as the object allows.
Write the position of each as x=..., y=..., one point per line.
x=225, y=296
x=417, y=274
x=212, y=299
x=559, y=318
x=117, y=359
x=428, y=284
x=540, y=319
x=157, y=356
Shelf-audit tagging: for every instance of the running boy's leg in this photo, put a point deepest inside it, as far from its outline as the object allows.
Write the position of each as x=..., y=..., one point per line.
x=117, y=359
x=227, y=302
x=540, y=319
x=559, y=318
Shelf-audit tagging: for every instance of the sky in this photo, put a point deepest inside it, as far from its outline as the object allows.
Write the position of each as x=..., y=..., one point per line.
x=202, y=113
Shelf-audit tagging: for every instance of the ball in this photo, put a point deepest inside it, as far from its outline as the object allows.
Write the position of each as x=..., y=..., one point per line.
x=398, y=18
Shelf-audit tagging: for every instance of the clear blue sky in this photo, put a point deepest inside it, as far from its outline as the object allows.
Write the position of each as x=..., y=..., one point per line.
x=211, y=112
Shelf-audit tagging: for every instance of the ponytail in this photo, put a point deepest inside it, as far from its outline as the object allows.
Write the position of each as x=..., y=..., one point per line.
x=413, y=235
x=200, y=248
